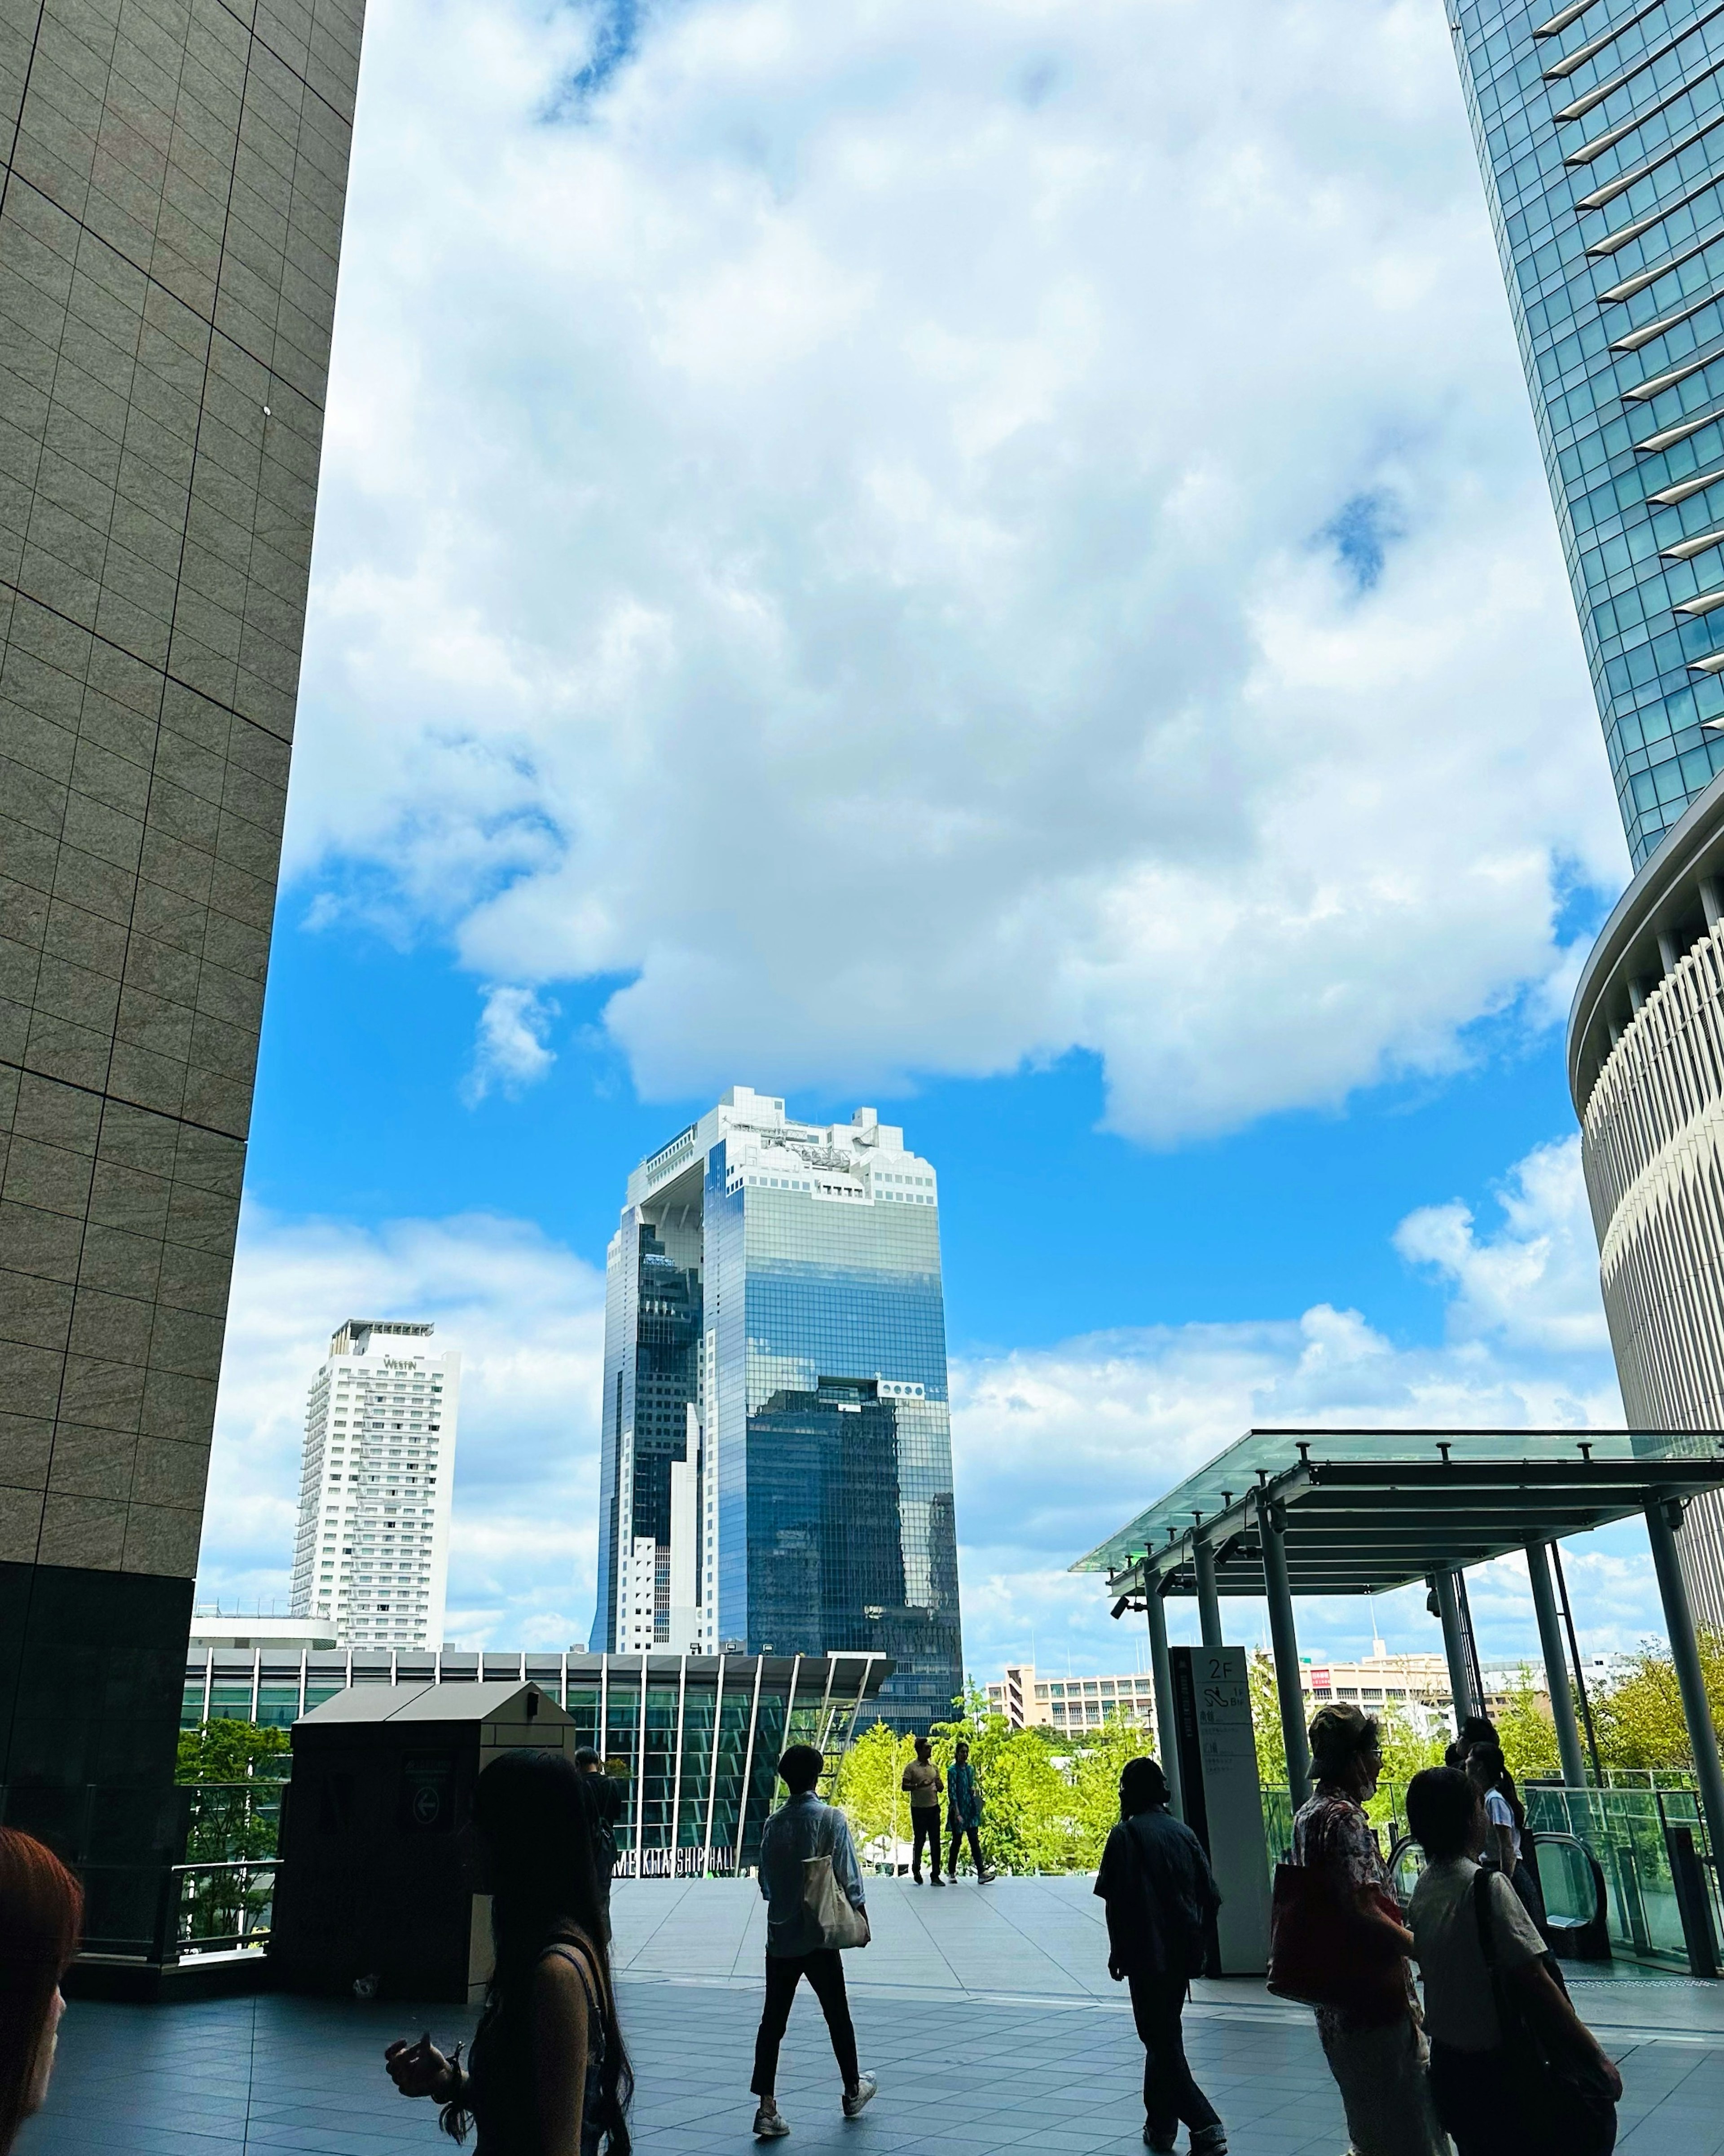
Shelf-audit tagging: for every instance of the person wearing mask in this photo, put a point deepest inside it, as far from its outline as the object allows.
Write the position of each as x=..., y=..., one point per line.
x=1480, y=2084
x=1505, y=1824
x=923, y=1782
x=1161, y=1894
x=41, y=1917
x=548, y=2074
x=963, y=1812
x=1379, y=2065
x=801, y=1828
x=605, y=1793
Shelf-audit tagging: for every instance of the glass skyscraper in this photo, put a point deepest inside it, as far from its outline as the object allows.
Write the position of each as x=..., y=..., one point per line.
x=776, y=1451
x=1600, y=130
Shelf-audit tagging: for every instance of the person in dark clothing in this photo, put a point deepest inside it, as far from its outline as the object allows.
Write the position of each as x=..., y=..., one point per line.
x=1160, y=1895
x=1475, y=1729
x=604, y=1792
x=963, y=1812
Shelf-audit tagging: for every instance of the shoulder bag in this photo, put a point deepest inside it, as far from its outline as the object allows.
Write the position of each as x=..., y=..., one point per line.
x=1324, y=1951
x=1566, y=2109
x=826, y=1906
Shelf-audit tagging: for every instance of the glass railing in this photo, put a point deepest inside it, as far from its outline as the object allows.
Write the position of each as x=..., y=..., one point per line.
x=1628, y=1831
x=167, y=1873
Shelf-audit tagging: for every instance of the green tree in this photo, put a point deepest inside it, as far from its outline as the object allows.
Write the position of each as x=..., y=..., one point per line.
x=1640, y=1720
x=1525, y=1729
x=232, y=1817
x=225, y=1750
x=1266, y=1720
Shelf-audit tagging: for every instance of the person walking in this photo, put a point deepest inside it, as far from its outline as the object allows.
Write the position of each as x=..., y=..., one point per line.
x=1480, y=1952
x=604, y=1792
x=1505, y=1825
x=963, y=1812
x=1379, y=2064
x=801, y=1828
x=1161, y=1894
x=923, y=1782
x=41, y=1917
x=548, y=2074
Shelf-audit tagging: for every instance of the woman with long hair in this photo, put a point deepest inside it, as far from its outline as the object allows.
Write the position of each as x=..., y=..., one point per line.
x=548, y=2074
x=41, y=1916
x=1378, y=2057
x=1506, y=1819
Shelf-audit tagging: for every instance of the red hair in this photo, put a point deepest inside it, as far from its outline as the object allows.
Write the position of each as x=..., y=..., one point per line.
x=41, y=1916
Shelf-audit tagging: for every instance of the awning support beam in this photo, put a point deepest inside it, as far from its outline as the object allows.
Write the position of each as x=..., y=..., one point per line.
x=1556, y=1665
x=1209, y=1601
x=1691, y=1683
x=1161, y=1664
x=1460, y=1689
x=1284, y=1639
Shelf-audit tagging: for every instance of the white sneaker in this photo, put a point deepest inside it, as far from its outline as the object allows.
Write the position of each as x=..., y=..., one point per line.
x=770, y=2124
x=866, y=2086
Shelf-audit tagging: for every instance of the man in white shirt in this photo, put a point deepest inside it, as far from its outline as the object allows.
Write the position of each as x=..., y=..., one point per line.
x=1473, y=2078
x=801, y=1828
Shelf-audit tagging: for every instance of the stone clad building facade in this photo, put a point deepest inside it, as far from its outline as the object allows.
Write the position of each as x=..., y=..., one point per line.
x=170, y=228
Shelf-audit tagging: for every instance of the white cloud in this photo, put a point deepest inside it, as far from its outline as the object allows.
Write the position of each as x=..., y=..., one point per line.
x=511, y=1051
x=528, y=1319
x=1538, y=1282
x=1125, y=1414
x=1054, y=1448
x=880, y=529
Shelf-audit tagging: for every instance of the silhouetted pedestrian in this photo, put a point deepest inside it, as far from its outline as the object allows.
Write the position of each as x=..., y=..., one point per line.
x=604, y=1792
x=547, y=2070
x=1506, y=1826
x=801, y=1831
x=1514, y=2071
x=963, y=1812
x=923, y=1781
x=1160, y=1895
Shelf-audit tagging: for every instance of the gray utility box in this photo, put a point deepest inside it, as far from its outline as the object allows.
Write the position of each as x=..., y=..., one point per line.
x=375, y=1885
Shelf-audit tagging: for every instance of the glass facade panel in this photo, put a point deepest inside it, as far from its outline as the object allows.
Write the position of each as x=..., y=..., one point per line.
x=622, y=1742
x=1605, y=182
x=697, y=1723
x=582, y=1707
x=279, y=1703
x=660, y=1766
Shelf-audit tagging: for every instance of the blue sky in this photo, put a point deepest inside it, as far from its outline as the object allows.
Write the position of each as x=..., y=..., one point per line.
x=989, y=562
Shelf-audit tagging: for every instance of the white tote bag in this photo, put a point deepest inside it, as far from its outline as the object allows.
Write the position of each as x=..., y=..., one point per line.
x=824, y=1903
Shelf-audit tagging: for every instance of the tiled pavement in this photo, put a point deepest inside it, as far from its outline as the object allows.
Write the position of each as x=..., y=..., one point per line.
x=967, y=2071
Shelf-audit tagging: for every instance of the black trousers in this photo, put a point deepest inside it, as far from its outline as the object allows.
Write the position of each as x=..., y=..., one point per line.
x=958, y=1830
x=1170, y=2095
x=825, y=1970
x=926, y=1821
x=1485, y=2110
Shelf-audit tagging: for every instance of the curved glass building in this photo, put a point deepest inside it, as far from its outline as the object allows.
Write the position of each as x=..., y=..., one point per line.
x=1600, y=134
x=776, y=1470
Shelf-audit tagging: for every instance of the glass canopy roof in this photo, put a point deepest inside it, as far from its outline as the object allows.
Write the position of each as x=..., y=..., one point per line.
x=1370, y=1509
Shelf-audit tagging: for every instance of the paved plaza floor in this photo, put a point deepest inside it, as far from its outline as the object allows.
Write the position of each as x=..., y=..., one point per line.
x=982, y=2011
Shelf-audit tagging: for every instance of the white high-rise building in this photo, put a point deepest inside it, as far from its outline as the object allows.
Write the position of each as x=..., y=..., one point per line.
x=372, y=1552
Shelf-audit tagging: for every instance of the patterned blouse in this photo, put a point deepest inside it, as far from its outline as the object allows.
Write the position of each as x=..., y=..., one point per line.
x=1331, y=1830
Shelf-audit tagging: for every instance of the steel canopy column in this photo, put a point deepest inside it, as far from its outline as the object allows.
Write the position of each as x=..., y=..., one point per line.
x=1272, y=1528
x=1684, y=1653
x=1208, y=1600
x=1556, y=1665
x=1454, y=1647
x=1167, y=1723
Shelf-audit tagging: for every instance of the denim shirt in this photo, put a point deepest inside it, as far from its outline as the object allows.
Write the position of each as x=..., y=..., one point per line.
x=797, y=1830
